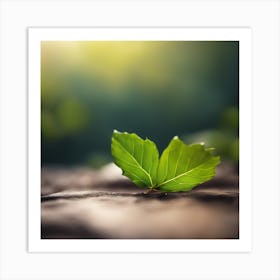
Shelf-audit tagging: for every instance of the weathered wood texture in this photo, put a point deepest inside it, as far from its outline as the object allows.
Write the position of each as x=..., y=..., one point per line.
x=85, y=203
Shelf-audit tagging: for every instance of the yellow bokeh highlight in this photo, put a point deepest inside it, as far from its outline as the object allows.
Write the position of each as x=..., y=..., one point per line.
x=115, y=63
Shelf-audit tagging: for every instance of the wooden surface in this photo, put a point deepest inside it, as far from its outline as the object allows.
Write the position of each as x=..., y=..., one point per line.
x=86, y=203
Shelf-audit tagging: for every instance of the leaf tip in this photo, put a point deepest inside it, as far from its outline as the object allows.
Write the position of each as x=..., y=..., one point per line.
x=115, y=131
x=175, y=137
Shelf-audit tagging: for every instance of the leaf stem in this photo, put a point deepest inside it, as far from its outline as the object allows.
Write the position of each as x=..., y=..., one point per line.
x=149, y=190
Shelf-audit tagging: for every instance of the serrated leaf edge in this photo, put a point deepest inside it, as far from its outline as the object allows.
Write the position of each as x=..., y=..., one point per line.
x=183, y=174
x=137, y=163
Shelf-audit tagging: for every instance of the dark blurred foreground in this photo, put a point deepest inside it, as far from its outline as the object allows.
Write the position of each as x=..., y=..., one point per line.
x=85, y=203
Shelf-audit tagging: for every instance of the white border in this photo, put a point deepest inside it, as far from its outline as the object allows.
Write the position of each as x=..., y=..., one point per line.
x=243, y=35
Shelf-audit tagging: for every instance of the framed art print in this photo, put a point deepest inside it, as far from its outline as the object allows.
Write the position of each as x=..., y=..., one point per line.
x=139, y=140
x=95, y=183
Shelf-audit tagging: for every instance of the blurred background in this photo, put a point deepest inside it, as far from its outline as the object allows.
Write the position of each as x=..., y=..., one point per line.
x=157, y=89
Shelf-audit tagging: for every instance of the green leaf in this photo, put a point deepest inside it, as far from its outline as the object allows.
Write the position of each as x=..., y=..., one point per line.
x=137, y=158
x=182, y=166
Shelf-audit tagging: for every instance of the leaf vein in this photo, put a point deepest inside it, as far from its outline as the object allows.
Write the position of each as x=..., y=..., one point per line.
x=134, y=159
